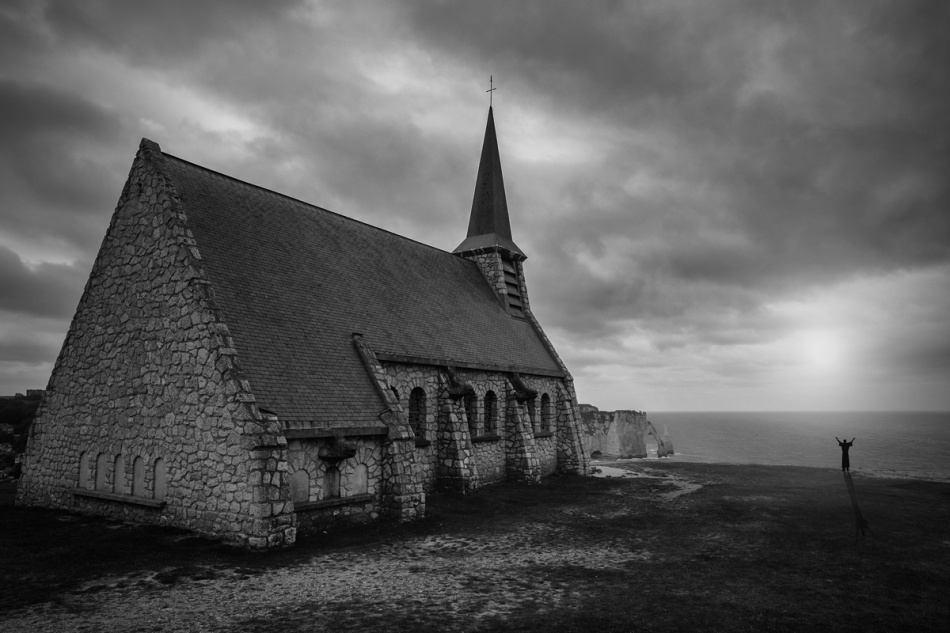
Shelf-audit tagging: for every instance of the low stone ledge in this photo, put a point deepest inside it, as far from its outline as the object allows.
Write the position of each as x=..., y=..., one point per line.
x=544, y=434
x=352, y=431
x=485, y=438
x=111, y=496
x=306, y=506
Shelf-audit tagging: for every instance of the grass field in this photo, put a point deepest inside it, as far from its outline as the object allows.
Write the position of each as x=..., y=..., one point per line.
x=668, y=547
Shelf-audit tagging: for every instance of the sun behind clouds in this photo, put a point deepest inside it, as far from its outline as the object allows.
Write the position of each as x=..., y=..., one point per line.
x=821, y=349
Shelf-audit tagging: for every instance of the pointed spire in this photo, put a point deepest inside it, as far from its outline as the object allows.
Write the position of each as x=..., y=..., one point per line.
x=489, y=205
x=488, y=225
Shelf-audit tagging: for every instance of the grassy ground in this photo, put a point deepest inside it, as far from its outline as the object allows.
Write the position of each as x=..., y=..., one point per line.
x=669, y=547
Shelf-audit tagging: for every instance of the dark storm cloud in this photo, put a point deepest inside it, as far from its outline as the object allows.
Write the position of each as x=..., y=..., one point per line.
x=867, y=91
x=30, y=352
x=290, y=69
x=19, y=35
x=32, y=107
x=810, y=144
x=580, y=58
x=372, y=162
x=50, y=290
x=51, y=175
x=159, y=33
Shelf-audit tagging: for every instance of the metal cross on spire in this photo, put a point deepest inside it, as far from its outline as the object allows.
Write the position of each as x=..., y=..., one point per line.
x=492, y=89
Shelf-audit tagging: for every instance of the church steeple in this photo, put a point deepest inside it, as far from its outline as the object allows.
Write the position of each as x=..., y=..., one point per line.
x=489, y=242
x=488, y=225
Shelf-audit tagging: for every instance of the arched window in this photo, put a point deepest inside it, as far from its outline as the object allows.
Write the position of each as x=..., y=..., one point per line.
x=491, y=413
x=118, y=475
x=84, y=479
x=546, y=414
x=471, y=412
x=532, y=406
x=331, y=483
x=138, y=477
x=102, y=469
x=300, y=486
x=417, y=412
x=160, y=484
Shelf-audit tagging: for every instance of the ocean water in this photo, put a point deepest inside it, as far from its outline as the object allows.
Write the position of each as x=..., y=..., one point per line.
x=912, y=444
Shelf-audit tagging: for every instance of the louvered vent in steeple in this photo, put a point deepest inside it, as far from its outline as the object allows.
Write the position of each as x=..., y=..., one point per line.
x=515, y=303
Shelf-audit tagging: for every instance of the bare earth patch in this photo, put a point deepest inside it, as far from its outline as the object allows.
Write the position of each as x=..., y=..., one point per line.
x=655, y=546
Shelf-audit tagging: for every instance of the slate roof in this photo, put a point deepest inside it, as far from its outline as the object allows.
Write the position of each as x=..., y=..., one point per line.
x=488, y=224
x=294, y=281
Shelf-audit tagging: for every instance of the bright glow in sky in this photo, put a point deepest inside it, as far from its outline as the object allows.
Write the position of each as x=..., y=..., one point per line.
x=822, y=350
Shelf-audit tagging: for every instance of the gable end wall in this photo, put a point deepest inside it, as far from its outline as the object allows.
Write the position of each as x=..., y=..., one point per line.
x=149, y=371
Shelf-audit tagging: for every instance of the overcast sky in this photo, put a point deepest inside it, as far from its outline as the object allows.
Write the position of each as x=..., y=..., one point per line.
x=725, y=205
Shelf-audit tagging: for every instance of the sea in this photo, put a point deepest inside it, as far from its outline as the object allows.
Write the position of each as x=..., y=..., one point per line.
x=909, y=445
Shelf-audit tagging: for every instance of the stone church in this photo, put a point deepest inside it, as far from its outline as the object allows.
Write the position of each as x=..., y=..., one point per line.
x=246, y=365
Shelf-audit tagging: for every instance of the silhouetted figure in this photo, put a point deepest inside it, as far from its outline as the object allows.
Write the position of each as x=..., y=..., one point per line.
x=845, y=462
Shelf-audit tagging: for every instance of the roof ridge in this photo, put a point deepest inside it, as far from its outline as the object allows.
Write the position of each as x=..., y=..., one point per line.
x=302, y=202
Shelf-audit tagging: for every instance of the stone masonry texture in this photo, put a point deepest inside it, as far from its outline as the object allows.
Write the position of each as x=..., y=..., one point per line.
x=148, y=370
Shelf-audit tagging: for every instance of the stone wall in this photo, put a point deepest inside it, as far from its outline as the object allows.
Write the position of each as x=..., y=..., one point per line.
x=403, y=496
x=467, y=451
x=490, y=458
x=147, y=416
x=330, y=491
x=490, y=263
x=546, y=445
x=359, y=474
